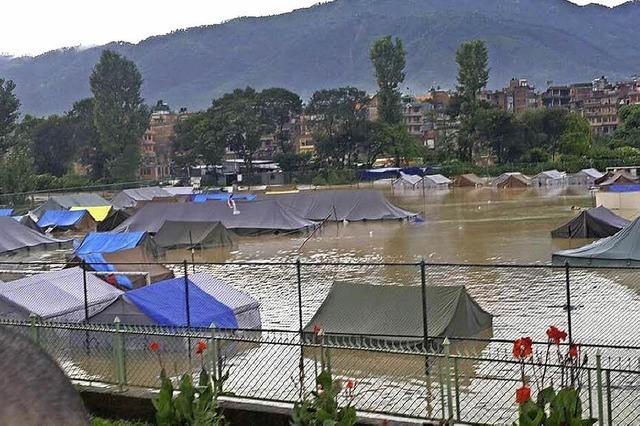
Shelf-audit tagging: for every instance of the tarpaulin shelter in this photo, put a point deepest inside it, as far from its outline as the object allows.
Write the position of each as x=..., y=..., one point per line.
x=180, y=234
x=586, y=177
x=621, y=249
x=62, y=220
x=339, y=205
x=408, y=182
x=624, y=188
x=254, y=217
x=180, y=191
x=55, y=296
x=27, y=221
x=123, y=264
x=98, y=213
x=598, y=222
x=394, y=313
x=109, y=242
x=221, y=196
x=17, y=238
x=66, y=201
x=131, y=198
x=382, y=173
x=468, y=180
x=549, y=178
x=164, y=303
x=6, y=212
x=511, y=180
x=115, y=218
x=436, y=182
x=618, y=179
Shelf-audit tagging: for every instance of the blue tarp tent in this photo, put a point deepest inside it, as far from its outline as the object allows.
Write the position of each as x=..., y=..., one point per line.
x=98, y=263
x=109, y=242
x=377, y=174
x=62, y=219
x=221, y=196
x=6, y=212
x=165, y=303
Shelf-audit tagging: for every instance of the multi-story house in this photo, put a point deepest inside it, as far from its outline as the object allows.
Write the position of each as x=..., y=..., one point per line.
x=413, y=113
x=302, y=135
x=557, y=97
x=523, y=96
x=156, y=142
x=601, y=110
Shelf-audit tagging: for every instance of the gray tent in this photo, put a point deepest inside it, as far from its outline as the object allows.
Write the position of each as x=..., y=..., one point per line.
x=181, y=234
x=245, y=308
x=395, y=312
x=65, y=202
x=55, y=296
x=132, y=197
x=621, y=249
x=342, y=205
x=598, y=222
x=17, y=238
x=248, y=218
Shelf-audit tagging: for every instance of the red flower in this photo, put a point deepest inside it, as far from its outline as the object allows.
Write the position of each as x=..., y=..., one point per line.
x=316, y=329
x=523, y=348
x=350, y=384
x=154, y=346
x=201, y=347
x=556, y=335
x=573, y=351
x=523, y=395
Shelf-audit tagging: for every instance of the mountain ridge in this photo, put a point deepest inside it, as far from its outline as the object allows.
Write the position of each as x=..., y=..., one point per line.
x=326, y=45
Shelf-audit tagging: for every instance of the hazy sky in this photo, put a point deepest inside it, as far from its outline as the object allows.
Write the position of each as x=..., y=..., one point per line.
x=37, y=26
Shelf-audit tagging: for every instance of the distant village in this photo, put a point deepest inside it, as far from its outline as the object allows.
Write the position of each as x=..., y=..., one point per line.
x=425, y=118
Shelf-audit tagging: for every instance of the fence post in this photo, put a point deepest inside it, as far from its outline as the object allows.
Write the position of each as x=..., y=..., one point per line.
x=186, y=293
x=425, y=324
x=568, y=289
x=599, y=385
x=213, y=353
x=300, y=327
x=118, y=352
x=35, y=328
x=607, y=376
x=456, y=383
x=447, y=365
x=86, y=293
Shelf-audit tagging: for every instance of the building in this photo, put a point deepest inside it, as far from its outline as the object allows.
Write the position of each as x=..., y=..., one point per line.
x=156, y=142
x=302, y=134
x=601, y=110
x=414, y=114
x=523, y=96
x=557, y=97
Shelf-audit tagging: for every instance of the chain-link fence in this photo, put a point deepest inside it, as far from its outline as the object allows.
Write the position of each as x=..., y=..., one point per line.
x=280, y=366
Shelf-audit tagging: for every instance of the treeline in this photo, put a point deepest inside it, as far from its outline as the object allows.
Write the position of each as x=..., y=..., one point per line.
x=99, y=135
x=98, y=140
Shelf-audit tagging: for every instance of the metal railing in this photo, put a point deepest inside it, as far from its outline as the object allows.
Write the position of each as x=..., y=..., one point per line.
x=281, y=366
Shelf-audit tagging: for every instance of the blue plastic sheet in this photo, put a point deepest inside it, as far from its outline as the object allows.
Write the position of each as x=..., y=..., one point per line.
x=60, y=218
x=221, y=196
x=165, y=303
x=97, y=262
x=109, y=242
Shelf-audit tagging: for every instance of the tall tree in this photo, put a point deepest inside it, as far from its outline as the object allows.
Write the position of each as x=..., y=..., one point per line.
x=472, y=58
x=237, y=124
x=85, y=138
x=341, y=118
x=576, y=138
x=473, y=73
x=9, y=106
x=120, y=115
x=52, y=145
x=277, y=107
x=628, y=132
x=388, y=59
x=198, y=140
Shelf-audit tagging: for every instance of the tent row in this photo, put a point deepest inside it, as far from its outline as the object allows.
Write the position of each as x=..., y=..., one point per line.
x=211, y=301
x=387, y=312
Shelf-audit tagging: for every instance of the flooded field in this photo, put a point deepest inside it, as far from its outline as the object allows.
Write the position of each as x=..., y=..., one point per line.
x=462, y=226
